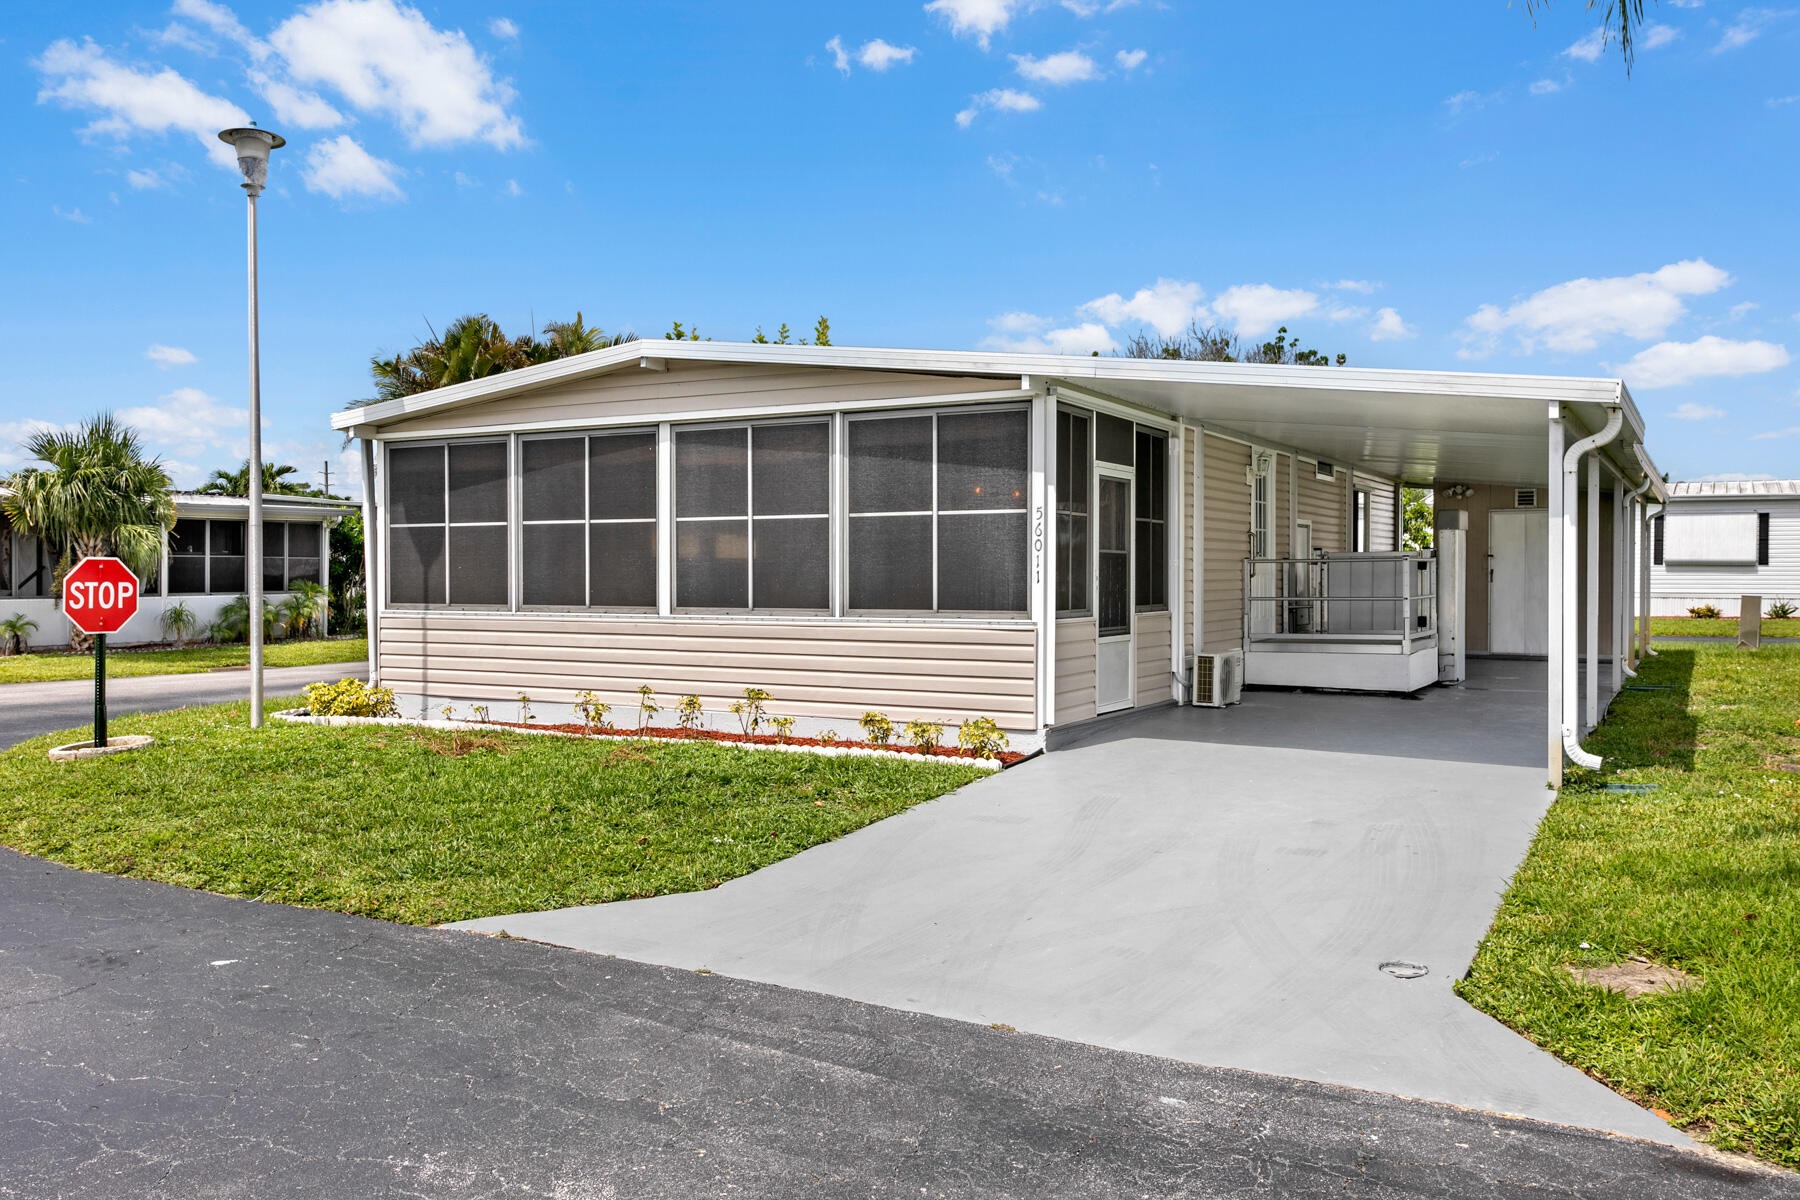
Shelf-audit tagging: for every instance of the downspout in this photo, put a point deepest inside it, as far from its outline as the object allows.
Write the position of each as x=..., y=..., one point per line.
x=1571, y=734
x=1634, y=532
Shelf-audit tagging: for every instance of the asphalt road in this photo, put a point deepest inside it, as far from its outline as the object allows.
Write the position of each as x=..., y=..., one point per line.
x=28, y=710
x=157, y=1042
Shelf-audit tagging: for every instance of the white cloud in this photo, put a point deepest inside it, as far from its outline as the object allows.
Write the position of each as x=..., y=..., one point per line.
x=1085, y=338
x=146, y=177
x=1389, y=327
x=1337, y=310
x=177, y=34
x=71, y=214
x=1057, y=70
x=1475, y=160
x=980, y=19
x=1573, y=316
x=171, y=356
x=878, y=55
x=384, y=57
x=1168, y=306
x=1366, y=287
x=1003, y=165
x=191, y=422
x=1256, y=308
x=1696, y=412
x=1019, y=322
x=1131, y=60
x=341, y=168
x=1089, y=8
x=296, y=107
x=1740, y=310
x=1747, y=28
x=130, y=100
x=13, y=435
x=1653, y=36
x=1464, y=100
x=1730, y=477
x=1004, y=99
x=464, y=180
x=1781, y=101
x=222, y=21
x=1790, y=431
x=1670, y=364
x=503, y=29
x=1588, y=48
x=513, y=188
x=840, y=58
x=1545, y=87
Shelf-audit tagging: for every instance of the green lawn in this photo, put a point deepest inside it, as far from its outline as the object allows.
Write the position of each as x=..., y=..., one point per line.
x=1724, y=627
x=1703, y=873
x=47, y=668
x=425, y=826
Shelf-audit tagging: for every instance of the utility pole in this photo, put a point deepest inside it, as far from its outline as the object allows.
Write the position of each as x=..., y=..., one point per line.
x=328, y=477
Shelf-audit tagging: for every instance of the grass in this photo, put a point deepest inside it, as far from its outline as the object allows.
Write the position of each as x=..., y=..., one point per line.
x=1723, y=627
x=1703, y=873
x=423, y=826
x=49, y=668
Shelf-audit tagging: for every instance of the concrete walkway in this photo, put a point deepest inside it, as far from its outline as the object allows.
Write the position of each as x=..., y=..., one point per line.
x=29, y=710
x=1213, y=887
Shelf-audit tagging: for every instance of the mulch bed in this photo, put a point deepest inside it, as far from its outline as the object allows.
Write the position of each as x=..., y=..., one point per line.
x=676, y=734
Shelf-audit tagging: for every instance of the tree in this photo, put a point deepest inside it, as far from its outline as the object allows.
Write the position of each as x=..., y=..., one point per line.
x=275, y=482
x=1209, y=343
x=475, y=347
x=1416, y=514
x=1620, y=21
x=349, y=610
x=96, y=494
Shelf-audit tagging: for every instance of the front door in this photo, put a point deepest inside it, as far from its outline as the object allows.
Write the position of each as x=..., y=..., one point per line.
x=1518, y=581
x=1113, y=682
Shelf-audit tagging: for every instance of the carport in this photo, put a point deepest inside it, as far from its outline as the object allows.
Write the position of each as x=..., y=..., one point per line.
x=1211, y=886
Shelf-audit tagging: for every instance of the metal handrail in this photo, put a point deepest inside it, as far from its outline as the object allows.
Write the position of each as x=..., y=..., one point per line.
x=1305, y=606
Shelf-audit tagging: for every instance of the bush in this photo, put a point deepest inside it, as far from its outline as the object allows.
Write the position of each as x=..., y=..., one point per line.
x=690, y=712
x=1704, y=612
x=926, y=735
x=350, y=698
x=981, y=737
x=878, y=727
x=179, y=623
x=1781, y=610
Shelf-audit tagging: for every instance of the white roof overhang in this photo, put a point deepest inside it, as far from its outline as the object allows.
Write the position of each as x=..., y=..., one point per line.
x=1420, y=426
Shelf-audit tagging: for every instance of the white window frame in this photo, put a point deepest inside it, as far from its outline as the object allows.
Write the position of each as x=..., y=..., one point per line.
x=507, y=523
x=587, y=520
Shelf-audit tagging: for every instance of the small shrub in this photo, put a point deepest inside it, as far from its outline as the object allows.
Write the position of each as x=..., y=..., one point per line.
x=481, y=712
x=981, y=737
x=647, y=705
x=689, y=713
x=783, y=726
x=1781, y=610
x=350, y=698
x=1704, y=612
x=751, y=715
x=926, y=735
x=877, y=727
x=178, y=623
x=524, y=709
x=592, y=710
x=829, y=737
x=449, y=711
x=15, y=631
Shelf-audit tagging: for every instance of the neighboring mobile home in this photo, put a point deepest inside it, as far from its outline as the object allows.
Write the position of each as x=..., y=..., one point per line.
x=938, y=535
x=1719, y=541
x=202, y=565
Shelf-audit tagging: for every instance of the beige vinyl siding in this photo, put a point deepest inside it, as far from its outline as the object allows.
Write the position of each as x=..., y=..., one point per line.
x=1076, y=646
x=1383, y=508
x=1184, y=546
x=1284, y=504
x=1322, y=503
x=1151, y=646
x=1226, y=539
x=1481, y=500
x=685, y=388
x=833, y=670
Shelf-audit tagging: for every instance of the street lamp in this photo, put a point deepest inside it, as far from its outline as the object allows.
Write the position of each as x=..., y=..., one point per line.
x=253, y=146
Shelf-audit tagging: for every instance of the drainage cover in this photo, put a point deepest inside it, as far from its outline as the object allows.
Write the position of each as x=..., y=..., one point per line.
x=1405, y=970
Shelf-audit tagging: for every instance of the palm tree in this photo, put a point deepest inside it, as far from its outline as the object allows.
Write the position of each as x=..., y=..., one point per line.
x=474, y=347
x=95, y=494
x=1621, y=20
x=13, y=633
x=237, y=483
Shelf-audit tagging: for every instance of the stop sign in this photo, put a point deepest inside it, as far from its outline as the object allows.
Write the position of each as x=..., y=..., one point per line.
x=100, y=595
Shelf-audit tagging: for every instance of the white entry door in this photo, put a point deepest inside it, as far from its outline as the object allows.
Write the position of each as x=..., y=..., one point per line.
x=1518, y=581
x=1113, y=607
x=1262, y=616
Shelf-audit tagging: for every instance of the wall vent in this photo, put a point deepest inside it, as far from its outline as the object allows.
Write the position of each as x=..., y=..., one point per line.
x=1525, y=498
x=1324, y=470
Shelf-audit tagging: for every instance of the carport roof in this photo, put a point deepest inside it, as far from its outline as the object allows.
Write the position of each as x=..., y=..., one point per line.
x=1420, y=426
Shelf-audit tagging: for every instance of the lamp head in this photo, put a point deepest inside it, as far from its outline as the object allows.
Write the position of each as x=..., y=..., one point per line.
x=253, y=146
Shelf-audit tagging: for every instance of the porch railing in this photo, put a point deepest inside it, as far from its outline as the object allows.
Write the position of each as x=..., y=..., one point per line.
x=1379, y=598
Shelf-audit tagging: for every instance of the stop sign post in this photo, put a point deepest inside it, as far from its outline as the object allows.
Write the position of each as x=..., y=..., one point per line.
x=99, y=595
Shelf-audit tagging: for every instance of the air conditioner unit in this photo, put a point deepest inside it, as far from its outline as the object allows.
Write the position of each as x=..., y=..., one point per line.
x=1218, y=678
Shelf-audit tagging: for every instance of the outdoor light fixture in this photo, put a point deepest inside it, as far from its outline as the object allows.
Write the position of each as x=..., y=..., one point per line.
x=253, y=146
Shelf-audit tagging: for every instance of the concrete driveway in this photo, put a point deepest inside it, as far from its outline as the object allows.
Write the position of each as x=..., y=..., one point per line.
x=1212, y=887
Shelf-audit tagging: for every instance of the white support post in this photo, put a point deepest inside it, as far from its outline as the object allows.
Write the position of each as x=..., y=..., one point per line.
x=1590, y=701
x=1570, y=484
x=665, y=519
x=1199, y=540
x=1648, y=536
x=1620, y=593
x=1557, y=600
x=1043, y=571
x=371, y=559
x=1177, y=564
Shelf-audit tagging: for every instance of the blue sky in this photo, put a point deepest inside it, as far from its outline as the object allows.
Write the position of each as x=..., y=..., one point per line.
x=1413, y=184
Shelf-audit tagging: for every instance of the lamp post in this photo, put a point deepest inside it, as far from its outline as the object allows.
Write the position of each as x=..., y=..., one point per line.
x=253, y=146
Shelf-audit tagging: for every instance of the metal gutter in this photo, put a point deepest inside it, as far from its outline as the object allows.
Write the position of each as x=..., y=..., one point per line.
x=1571, y=733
